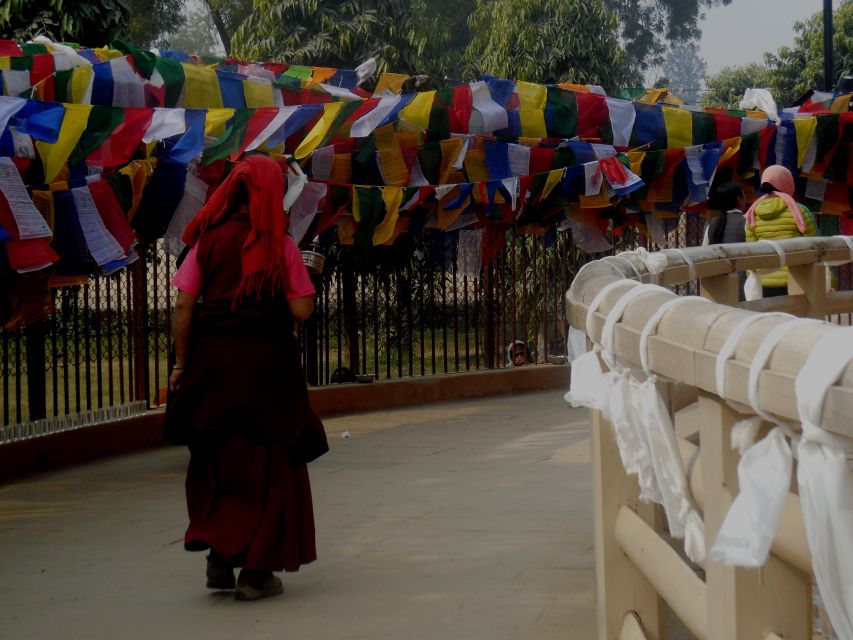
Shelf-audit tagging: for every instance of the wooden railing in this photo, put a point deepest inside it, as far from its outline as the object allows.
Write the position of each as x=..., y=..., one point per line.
x=638, y=567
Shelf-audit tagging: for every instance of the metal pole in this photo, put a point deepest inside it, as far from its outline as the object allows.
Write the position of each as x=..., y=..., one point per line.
x=828, y=74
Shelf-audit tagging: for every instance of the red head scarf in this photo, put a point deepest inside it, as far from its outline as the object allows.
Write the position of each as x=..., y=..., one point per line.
x=781, y=178
x=263, y=251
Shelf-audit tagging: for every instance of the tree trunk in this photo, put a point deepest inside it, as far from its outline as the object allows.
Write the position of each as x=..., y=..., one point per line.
x=220, y=27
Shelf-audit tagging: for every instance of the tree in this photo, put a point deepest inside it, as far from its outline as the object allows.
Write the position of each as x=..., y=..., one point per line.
x=685, y=71
x=792, y=70
x=198, y=34
x=227, y=16
x=333, y=34
x=647, y=26
x=88, y=22
x=547, y=41
x=150, y=21
x=800, y=68
x=726, y=88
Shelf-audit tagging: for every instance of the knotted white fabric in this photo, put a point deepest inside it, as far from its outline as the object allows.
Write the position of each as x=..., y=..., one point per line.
x=825, y=481
x=622, y=259
x=764, y=475
x=691, y=266
x=683, y=516
x=727, y=351
x=622, y=408
x=588, y=387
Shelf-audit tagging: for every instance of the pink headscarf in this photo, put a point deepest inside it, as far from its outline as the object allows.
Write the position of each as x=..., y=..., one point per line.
x=781, y=178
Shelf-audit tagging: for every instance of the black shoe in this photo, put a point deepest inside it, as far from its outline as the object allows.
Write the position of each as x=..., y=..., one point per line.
x=254, y=585
x=220, y=575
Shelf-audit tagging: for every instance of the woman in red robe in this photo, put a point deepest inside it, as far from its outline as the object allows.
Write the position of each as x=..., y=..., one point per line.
x=238, y=394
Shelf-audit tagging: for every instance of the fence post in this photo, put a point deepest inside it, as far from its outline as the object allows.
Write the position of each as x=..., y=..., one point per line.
x=139, y=313
x=742, y=603
x=620, y=586
x=489, y=323
x=36, y=370
x=309, y=332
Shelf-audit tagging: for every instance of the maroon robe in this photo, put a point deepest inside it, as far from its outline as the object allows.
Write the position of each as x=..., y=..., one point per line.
x=242, y=407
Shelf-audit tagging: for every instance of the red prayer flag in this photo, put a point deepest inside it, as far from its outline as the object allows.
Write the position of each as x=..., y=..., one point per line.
x=10, y=48
x=119, y=147
x=592, y=114
x=112, y=214
x=460, y=108
x=541, y=159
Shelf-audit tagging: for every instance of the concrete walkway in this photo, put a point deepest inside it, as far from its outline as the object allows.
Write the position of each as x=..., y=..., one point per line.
x=462, y=520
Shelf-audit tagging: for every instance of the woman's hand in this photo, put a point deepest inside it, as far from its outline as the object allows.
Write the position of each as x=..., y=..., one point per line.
x=175, y=379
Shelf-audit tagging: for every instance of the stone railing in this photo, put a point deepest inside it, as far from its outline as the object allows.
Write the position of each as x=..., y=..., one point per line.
x=647, y=350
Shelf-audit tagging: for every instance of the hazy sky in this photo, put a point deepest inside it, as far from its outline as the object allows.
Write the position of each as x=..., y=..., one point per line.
x=741, y=32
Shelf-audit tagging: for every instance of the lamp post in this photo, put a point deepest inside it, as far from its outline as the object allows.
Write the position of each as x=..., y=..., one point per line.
x=827, y=45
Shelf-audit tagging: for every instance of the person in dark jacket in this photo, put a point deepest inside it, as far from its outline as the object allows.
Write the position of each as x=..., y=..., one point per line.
x=730, y=225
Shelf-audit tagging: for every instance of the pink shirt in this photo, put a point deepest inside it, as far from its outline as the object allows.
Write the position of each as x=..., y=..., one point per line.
x=297, y=283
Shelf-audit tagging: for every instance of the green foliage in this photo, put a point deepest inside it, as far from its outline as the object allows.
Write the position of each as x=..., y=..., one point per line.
x=89, y=22
x=547, y=41
x=150, y=21
x=333, y=34
x=792, y=70
x=726, y=88
x=799, y=68
x=648, y=27
x=684, y=71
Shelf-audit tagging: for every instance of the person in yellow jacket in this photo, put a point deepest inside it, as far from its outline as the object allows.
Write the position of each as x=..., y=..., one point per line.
x=777, y=216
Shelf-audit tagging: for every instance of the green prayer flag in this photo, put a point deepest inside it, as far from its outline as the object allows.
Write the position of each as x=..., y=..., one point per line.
x=230, y=141
x=173, y=77
x=704, y=127
x=561, y=113
x=100, y=125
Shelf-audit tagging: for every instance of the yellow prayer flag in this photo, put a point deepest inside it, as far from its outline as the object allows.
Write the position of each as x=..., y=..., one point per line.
x=756, y=113
x=105, y=53
x=392, y=82
x=600, y=201
x=553, y=179
x=321, y=74
x=392, y=196
x=635, y=159
x=731, y=147
x=316, y=135
x=805, y=129
x=53, y=156
x=450, y=150
x=679, y=127
x=341, y=169
x=258, y=94
x=214, y=124
x=580, y=88
x=346, y=232
x=532, y=98
x=475, y=163
x=81, y=84
x=418, y=110
x=201, y=87
x=842, y=103
x=390, y=157
x=356, y=207
x=5, y=63
x=652, y=96
x=138, y=172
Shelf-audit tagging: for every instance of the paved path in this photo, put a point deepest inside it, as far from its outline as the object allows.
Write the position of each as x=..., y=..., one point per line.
x=462, y=520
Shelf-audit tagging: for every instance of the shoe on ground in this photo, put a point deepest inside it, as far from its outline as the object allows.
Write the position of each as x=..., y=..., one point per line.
x=254, y=585
x=220, y=575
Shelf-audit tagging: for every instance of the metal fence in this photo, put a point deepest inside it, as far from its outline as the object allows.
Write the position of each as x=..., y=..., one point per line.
x=404, y=310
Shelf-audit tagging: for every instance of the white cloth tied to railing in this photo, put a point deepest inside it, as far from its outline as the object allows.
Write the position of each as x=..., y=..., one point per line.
x=641, y=421
x=764, y=475
x=826, y=482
